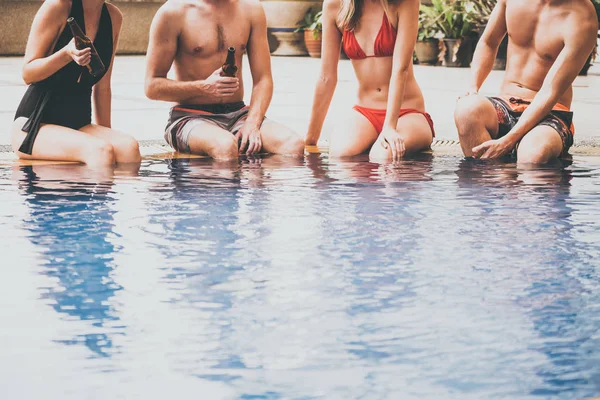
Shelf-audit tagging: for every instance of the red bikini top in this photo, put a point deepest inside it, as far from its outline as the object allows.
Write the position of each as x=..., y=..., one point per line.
x=384, y=42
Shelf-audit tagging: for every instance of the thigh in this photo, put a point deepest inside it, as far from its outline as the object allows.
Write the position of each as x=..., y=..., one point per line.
x=54, y=142
x=126, y=148
x=110, y=135
x=476, y=111
x=274, y=135
x=540, y=145
x=353, y=136
x=206, y=138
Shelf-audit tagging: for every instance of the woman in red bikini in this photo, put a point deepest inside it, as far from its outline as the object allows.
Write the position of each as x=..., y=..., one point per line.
x=389, y=119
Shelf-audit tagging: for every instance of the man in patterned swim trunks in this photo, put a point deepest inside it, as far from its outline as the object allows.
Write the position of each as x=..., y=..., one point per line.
x=549, y=42
x=210, y=117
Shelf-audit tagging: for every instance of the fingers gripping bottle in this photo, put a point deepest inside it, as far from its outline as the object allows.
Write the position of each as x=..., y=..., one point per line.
x=96, y=66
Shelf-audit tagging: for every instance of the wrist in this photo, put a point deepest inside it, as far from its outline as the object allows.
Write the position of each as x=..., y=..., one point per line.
x=510, y=139
x=65, y=56
x=389, y=125
x=201, y=86
x=253, y=122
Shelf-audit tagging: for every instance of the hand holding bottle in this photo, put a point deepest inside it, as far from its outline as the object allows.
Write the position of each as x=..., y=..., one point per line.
x=82, y=57
x=221, y=86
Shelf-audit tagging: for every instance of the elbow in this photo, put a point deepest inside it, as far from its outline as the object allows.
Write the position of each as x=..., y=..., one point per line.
x=265, y=82
x=328, y=81
x=26, y=75
x=150, y=89
x=402, y=70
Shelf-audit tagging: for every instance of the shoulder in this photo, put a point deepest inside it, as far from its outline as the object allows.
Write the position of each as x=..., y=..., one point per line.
x=116, y=16
x=582, y=23
x=173, y=9
x=254, y=10
x=332, y=6
x=253, y=6
x=56, y=8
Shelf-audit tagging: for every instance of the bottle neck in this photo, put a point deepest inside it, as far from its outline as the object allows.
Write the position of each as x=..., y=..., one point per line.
x=75, y=29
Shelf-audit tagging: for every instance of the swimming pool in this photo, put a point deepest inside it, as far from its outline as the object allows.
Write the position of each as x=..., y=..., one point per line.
x=435, y=278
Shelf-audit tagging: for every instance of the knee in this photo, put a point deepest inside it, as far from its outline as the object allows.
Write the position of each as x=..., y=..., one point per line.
x=294, y=145
x=528, y=153
x=532, y=156
x=99, y=153
x=538, y=147
x=378, y=153
x=17, y=134
x=340, y=148
x=224, y=148
x=127, y=150
x=467, y=111
x=339, y=151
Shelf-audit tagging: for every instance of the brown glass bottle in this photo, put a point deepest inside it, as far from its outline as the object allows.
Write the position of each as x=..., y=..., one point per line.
x=229, y=68
x=96, y=66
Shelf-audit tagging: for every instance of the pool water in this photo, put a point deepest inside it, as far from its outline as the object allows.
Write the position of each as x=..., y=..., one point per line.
x=274, y=278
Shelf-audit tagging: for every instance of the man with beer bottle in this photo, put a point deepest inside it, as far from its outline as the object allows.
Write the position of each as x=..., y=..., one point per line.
x=203, y=38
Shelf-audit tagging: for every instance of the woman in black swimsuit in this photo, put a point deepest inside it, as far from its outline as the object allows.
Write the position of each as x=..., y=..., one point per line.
x=54, y=119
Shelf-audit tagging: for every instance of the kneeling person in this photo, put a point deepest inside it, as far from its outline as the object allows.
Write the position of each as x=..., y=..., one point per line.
x=210, y=117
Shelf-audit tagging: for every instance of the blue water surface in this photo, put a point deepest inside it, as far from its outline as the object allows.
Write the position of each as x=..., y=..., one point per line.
x=275, y=278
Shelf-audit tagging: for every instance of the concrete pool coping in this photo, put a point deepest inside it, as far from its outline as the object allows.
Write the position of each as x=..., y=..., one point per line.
x=159, y=150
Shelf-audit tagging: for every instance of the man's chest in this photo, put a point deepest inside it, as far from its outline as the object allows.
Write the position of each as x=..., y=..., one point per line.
x=532, y=26
x=205, y=34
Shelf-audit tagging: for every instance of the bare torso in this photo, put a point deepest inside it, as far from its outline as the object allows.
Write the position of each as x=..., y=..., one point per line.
x=207, y=30
x=374, y=73
x=536, y=31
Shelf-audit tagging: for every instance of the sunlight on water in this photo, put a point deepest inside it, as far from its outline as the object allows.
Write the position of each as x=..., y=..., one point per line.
x=435, y=278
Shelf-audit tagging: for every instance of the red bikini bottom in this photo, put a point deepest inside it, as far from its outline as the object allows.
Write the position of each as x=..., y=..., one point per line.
x=377, y=117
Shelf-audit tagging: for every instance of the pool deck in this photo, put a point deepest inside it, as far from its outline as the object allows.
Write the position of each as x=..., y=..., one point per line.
x=294, y=84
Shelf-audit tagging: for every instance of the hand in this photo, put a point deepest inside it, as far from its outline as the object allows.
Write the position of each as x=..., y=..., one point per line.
x=390, y=138
x=492, y=149
x=469, y=92
x=81, y=57
x=250, y=136
x=221, y=86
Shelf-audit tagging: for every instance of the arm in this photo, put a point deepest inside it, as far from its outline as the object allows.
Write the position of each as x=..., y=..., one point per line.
x=101, y=92
x=259, y=59
x=487, y=48
x=578, y=44
x=408, y=27
x=46, y=28
x=330, y=56
x=164, y=34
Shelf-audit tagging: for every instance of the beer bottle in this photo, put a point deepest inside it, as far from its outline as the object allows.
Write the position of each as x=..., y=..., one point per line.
x=229, y=68
x=96, y=66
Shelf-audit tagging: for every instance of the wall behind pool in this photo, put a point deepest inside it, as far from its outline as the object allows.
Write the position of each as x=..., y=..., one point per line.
x=16, y=17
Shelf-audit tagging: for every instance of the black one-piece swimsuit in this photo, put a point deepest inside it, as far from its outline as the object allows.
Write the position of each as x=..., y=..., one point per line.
x=65, y=98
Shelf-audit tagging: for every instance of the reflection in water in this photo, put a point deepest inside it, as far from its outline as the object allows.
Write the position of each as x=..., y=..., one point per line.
x=284, y=278
x=70, y=221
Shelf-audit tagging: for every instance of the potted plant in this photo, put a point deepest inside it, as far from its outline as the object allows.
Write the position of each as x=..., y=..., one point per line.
x=312, y=27
x=427, y=47
x=480, y=15
x=455, y=21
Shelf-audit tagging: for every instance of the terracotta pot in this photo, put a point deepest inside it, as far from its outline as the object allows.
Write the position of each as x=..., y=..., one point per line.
x=458, y=52
x=427, y=51
x=313, y=44
x=282, y=22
